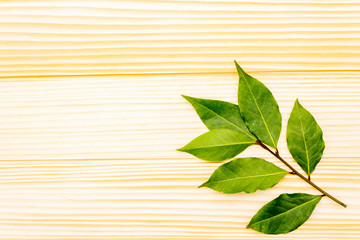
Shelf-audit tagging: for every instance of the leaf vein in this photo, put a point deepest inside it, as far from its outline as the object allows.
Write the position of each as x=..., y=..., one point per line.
x=302, y=131
x=257, y=106
x=257, y=176
x=286, y=211
x=226, y=120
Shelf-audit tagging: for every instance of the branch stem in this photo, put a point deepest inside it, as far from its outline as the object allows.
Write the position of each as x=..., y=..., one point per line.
x=294, y=171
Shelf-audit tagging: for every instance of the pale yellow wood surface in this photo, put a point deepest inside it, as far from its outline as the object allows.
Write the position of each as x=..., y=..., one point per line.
x=91, y=113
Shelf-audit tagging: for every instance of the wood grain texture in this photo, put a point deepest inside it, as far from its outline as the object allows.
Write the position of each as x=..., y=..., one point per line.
x=91, y=113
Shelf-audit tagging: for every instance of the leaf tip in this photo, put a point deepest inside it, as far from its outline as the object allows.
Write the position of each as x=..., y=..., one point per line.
x=189, y=99
x=184, y=96
x=238, y=68
x=181, y=149
x=202, y=185
x=297, y=102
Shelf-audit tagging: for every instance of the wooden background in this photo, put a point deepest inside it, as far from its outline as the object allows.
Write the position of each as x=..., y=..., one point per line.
x=91, y=113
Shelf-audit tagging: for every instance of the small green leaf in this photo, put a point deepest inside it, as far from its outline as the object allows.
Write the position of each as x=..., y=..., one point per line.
x=218, y=144
x=258, y=108
x=219, y=114
x=245, y=175
x=285, y=213
x=304, y=138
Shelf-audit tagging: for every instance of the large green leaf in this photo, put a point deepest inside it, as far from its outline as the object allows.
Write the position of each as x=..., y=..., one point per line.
x=304, y=138
x=219, y=114
x=218, y=144
x=285, y=213
x=245, y=175
x=258, y=108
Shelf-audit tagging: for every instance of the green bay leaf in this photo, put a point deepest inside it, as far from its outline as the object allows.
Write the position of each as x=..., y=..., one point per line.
x=304, y=138
x=258, y=108
x=285, y=213
x=245, y=175
x=218, y=144
x=219, y=114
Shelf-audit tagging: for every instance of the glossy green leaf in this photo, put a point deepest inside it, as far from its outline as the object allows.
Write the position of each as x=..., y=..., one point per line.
x=258, y=108
x=219, y=114
x=304, y=138
x=245, y=175
x=285, y=213
x=218, y=144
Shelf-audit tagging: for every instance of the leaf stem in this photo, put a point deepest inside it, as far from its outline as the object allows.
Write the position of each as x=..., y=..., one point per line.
x=294, y=171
